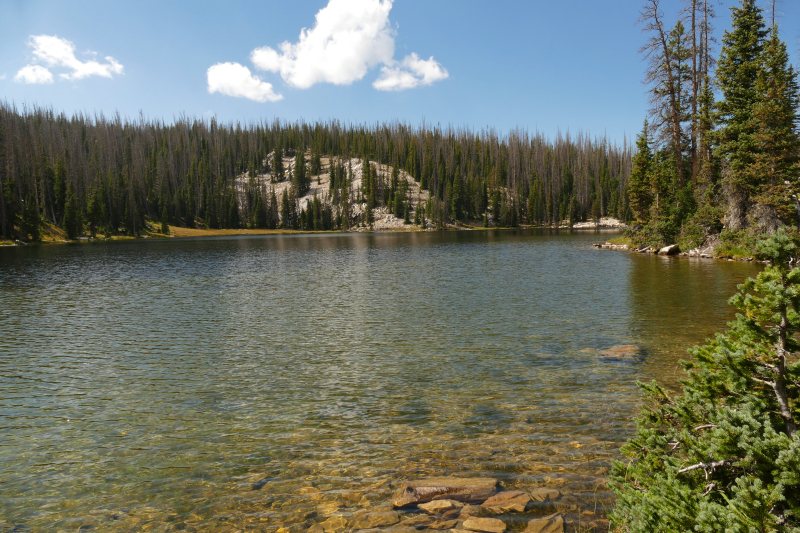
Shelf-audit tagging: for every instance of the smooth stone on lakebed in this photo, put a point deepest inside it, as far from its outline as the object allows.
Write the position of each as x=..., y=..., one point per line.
x=440, y=506
x=445, y=488
x=549, y=524
x=373, y=520
x=621, y=352
x=485, y=525
x=507, y=501
x=542, y=493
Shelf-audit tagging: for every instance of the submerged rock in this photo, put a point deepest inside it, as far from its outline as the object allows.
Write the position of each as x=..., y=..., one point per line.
x=440, y=506
x=621, y=352
x=485, y=525
x=507, y=501
x=543, y=493
x=548, y=524
x=473, y=490
x=373, y=520
x=443, y=524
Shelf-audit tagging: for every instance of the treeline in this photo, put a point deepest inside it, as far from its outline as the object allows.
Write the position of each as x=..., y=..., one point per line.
x=115, y=176
x=720, y=151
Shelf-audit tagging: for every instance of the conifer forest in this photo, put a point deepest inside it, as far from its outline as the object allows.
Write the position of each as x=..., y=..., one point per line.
x=90, y=174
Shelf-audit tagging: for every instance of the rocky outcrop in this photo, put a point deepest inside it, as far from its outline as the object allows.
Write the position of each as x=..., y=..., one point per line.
x=485, y=525
x=507, y=501
x=472, y=490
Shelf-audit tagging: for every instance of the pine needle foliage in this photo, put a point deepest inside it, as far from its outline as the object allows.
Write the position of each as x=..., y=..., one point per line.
x=725, y=454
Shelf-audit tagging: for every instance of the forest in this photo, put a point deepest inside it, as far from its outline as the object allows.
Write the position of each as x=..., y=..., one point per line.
x=717, y=159
x=114, y=176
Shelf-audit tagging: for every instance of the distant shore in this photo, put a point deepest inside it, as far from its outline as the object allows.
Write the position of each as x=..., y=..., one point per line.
x=53, y=235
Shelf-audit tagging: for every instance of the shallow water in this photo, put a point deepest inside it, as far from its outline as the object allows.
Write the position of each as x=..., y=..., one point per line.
x=258, y=383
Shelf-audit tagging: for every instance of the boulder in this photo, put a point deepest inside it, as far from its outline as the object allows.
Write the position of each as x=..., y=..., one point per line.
x=672, y=249
x=543, y=493
x=507, y=501
x=440, y=506
x=473, y=490
x=621, y=352
x=548, y=524
x=379, y=519
x=485, y=525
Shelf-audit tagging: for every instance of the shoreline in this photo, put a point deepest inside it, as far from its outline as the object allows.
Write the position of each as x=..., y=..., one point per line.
x=178, y=232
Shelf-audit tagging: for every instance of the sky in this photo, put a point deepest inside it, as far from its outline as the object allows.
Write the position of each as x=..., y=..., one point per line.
x=551, y=66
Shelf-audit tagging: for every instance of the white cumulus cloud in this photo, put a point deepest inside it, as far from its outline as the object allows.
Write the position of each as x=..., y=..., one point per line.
x=409, y=73
x=233, y=79
x=34, y=74
x=55, y=52
x=348, y=38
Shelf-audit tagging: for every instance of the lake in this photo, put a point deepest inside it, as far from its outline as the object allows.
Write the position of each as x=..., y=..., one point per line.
x=268, y=383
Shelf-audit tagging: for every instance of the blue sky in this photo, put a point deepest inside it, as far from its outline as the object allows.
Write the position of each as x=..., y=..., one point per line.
x=570, y=65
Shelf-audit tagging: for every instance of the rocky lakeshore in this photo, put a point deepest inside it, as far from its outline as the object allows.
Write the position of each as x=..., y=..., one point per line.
x=672, y=250
x=472, y=505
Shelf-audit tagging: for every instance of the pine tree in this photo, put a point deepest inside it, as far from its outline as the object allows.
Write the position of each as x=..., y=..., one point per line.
x=737, y=74
x=30, y=225
x=300, y=179
x=639, y=190
x=278, y=172
x=273, y=218
x=725, y=455
x=774, y=169
x=94, y=212
x=60, y=189
x=164, y=220
x=73, y=223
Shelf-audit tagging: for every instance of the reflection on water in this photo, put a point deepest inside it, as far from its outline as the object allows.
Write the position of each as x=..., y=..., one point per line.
x=272, y=382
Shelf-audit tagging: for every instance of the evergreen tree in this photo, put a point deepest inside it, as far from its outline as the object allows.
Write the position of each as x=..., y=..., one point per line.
x=164, y=220
x=725, y=455
x=278, y=172
x=73, y=223
x=11, y=205
x=31, y=222
x=737, y=74
x=273, y=215
x=233, y=212
x=639, y=191
x=300, y=179
x=94, y=212
x=286, y=222
x=774, y=169
x=60, y=189
x=260, y=215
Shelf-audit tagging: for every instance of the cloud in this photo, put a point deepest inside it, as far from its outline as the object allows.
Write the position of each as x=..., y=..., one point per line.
x=2, y=76
x=233, y=79
x=56, y=52
x=348, y=38
x=409, y=73
x=34, y=74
